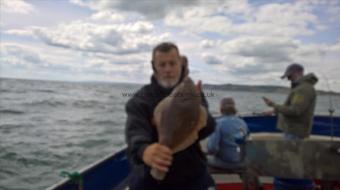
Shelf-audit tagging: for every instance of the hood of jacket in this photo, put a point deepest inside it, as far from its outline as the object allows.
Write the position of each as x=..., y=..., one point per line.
x=309, y=78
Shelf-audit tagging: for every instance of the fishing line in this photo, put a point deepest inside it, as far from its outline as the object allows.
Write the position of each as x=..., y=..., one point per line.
x=331, y=109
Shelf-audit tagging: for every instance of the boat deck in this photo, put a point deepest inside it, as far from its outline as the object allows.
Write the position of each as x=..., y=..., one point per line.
x=229, y=180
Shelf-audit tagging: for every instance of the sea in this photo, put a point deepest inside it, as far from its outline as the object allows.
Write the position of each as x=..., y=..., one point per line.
x=47, y=127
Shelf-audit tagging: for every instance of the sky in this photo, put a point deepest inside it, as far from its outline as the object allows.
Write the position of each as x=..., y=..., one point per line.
x=234, y=42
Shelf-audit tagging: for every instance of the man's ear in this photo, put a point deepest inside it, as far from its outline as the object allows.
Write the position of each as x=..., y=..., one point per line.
x=153, y=66
x=185, y=66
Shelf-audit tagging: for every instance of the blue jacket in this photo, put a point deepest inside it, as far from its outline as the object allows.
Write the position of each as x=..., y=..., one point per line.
x=222, y=143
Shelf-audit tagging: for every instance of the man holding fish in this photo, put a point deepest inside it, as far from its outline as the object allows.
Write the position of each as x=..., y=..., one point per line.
x=166, y=119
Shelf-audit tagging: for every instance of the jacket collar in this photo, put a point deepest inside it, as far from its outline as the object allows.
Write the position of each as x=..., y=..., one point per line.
x=160, y=89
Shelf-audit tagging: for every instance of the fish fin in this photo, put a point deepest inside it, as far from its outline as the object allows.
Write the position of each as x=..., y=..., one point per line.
x=202, y=122
x=186, y=143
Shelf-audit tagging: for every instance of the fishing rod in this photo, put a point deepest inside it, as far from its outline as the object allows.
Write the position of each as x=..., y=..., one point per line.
x=331, y=109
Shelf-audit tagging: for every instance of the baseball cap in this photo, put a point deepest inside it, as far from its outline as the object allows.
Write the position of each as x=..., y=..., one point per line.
x=291, y=69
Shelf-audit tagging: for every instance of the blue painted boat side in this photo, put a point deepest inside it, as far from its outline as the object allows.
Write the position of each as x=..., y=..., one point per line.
x=104, y=174
x=109, y=172
x=322, y=125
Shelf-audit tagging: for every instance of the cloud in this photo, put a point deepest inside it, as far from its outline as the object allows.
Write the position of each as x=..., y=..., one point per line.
x=108, y=15
x=259, y=59
x=335, y=48
x=235, y=17
x=19, y=60
x=285, y=19
x=250, y=70
x=16, y=6
x=199, y=19
x=113, y=62
x=334, y=12
x=19, y=32
x=211, y=59
x=17, y=55
x=244, y=55
x=150, y=9
x=243, y=42
x=27, y=59
x=206, y=44
x=248, y=58
x=128, y=68
x=157, y=10
x=124, y=38
x=263, y=49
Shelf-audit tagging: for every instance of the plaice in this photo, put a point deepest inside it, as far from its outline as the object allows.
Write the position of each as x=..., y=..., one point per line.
x=178, y=118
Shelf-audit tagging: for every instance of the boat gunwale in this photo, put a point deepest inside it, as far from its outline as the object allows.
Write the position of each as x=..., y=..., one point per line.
x=88, y=168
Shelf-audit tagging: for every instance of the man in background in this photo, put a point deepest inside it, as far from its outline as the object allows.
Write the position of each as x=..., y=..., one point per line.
x=224, y=142
x=295, y=116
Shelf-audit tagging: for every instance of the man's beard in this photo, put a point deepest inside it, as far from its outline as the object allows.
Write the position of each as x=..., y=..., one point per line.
x=167, y=83
x=293, y=84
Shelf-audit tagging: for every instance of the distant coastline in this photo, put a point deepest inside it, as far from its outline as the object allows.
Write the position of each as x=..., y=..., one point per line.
x=222, y=87
x=258, y=88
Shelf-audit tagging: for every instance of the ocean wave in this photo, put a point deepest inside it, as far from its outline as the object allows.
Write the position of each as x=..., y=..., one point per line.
x=14, y=126
x=11, y=111
x=8, y=172
x=4, y=90
x=21, y=91
x=52, y=103
x=88, y=104
x=91, y=143
x=45, y=91
x=24, y=160
x=33, y=161
x=9, y=156
x=106, y=122
x=89, y=122
x=15, y=91
x=114, y=131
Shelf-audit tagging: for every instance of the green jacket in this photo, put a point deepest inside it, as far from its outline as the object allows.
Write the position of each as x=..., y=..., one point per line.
x=296, y=115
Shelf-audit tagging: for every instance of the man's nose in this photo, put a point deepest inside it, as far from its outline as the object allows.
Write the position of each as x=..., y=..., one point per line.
x=168, y=68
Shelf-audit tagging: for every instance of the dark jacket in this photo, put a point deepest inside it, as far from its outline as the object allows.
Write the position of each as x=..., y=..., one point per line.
x=296, y=115
x=187, y=164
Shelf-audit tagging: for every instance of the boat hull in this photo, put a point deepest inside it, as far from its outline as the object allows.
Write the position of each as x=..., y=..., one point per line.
x=112, y=171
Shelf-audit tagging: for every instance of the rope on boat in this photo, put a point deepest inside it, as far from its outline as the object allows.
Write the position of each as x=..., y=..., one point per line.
x=74, y=177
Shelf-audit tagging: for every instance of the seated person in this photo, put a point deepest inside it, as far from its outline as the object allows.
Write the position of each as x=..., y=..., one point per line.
x=224, y=142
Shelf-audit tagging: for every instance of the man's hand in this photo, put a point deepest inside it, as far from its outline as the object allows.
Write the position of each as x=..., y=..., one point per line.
x=268, y=102
x=268, y=113
x=158, y=156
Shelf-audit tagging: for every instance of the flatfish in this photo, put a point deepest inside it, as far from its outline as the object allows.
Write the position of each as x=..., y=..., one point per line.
x=178, y=118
